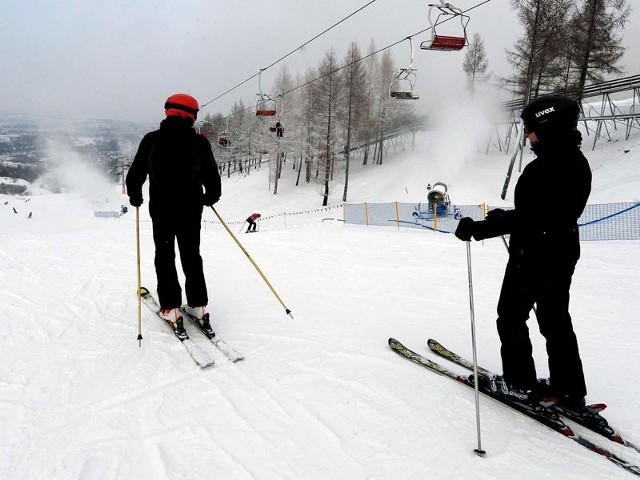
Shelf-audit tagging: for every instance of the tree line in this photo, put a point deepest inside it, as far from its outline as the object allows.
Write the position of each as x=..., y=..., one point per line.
x=326, y=112
x=566, y=44
x=344, y=103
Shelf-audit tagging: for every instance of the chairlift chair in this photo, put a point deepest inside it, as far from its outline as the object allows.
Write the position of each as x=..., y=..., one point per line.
x=206, y=130
x=265, y=105
x=223, y=137
x=404, y=80
x=446, y=43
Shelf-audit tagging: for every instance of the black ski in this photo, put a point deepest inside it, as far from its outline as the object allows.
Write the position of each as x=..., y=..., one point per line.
x=230, y=352
x=593, y=421
x=538, y=413
x=197, y=354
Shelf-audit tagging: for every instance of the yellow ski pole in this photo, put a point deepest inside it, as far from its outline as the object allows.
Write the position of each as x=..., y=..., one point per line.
x=139, y=282
x=287, y=311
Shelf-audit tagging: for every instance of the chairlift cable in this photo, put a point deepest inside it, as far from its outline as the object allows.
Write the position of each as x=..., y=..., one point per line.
x=290, y=53
x=346, y=65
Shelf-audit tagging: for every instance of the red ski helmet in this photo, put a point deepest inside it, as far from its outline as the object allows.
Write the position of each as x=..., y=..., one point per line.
x=182, y=105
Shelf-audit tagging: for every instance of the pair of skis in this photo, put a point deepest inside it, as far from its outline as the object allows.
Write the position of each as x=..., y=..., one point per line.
x=550, y=416
x=197, y=353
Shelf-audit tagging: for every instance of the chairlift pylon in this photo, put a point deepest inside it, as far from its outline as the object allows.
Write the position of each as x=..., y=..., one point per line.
x=265, y=105
x=404, y=80
x=446, y=43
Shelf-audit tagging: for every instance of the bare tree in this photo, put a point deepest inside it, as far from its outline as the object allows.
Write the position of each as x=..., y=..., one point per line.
x=284, y=83
x=327, y=89
x=536, y=55
x=597, y=48
x=475, y=61
x=385, y=107
x=358, y=102
x=370, y=123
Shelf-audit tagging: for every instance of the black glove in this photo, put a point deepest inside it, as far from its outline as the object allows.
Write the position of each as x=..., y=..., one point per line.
x=495, y=214
x=135, y=200
x=208, y=199
x=466, y=229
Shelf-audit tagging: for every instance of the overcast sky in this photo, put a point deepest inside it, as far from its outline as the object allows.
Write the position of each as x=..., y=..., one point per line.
x=121, y=58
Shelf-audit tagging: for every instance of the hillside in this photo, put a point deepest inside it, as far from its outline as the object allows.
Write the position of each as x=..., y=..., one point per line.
x=319, y=396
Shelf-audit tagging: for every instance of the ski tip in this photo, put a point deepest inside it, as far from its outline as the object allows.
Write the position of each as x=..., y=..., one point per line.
x=597, y=406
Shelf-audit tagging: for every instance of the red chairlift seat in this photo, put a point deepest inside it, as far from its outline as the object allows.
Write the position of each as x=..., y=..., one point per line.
x=265, y=108
x=445, y=43
x=206, y=129
x=265, y=112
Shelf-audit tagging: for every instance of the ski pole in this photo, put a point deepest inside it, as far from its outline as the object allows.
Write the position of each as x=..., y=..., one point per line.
x=241, y=226
x=139, y=282
x=287, y=311
x=478, y=450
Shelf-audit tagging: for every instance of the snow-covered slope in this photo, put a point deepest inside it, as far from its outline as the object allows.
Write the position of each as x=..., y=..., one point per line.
x=319, y=396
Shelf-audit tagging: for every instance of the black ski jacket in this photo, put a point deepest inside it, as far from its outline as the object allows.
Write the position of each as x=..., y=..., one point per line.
x=549, y=197
x=179, y=163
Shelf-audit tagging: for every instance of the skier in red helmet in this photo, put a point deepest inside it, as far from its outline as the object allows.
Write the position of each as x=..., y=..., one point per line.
x=183, y=177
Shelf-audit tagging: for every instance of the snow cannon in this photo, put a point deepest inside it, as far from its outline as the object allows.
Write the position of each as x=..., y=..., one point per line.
x=438, y=198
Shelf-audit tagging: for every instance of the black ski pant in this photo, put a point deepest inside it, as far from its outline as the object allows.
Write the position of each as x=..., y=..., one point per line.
x=545, y=284
x=186, y=230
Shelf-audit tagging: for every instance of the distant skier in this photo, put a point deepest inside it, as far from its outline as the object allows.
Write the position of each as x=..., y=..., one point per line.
x=179, y=163
x=543, y=252
x=252, y=222
x=279, y=130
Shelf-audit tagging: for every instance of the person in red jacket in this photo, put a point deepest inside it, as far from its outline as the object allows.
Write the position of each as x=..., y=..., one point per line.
x=252, y=222
x=183, y=177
